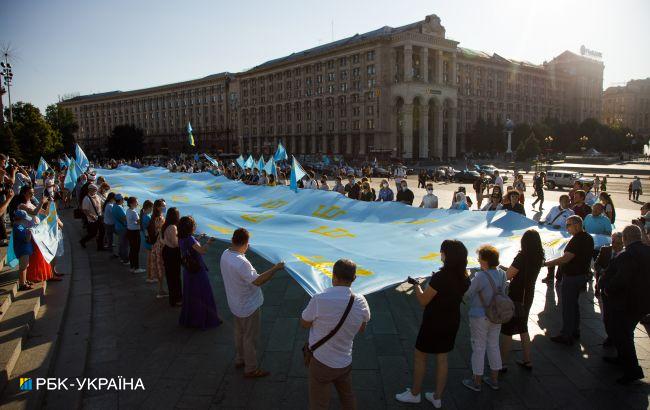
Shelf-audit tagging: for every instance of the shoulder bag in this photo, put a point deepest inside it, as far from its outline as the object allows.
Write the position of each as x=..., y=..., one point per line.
x=308, y=351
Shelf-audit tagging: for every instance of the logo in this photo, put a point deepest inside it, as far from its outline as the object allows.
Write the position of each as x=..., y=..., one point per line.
x=26, y=384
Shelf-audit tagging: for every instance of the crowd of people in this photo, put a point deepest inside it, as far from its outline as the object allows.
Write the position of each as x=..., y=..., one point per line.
x=499, y=297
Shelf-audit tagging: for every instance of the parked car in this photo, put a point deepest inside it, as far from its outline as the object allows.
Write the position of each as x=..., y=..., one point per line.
x=466, y=176
x=381, y=172
x=561, y=179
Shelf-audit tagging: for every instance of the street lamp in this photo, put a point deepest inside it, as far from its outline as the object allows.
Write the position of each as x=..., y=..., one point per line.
x=8, y=75
x=583, y=141
x=510, y=126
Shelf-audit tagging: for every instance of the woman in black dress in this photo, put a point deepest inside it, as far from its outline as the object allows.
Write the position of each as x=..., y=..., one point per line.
x=441, y=301
x=522, y=274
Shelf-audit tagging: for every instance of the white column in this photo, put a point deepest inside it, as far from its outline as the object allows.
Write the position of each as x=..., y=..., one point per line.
x=439, y=66
x=408, y=62
x=438, y=131
x=451, y=137
x=424, y=131
x=424, y=64
x=408, y=132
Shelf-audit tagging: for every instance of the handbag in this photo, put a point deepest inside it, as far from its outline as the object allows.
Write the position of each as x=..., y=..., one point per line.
x=308, y=351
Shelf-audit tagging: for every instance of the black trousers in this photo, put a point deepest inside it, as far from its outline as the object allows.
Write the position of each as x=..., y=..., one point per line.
x=134, y=248
x=623, y=324
x=95, y=230
x=172, y=261
x=635, y=194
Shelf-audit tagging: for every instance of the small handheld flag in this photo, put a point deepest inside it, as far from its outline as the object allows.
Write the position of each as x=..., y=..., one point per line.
x=211, y=160
x=250, y=162
x=296, y=174
x=80, y=157
x=240, y=161
x=190, y=136
x=42, y=167
x=280, y=153
x=260, y=164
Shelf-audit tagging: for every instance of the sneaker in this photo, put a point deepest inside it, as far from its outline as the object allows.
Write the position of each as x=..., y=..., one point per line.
x=493, y=385
x=140, y=270
x=470, y=384
x=407, y=397
x=431, y=397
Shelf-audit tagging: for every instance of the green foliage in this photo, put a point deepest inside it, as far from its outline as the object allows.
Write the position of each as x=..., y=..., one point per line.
x=126, y=141
x=35, y=137
x=8, y=143
x=528, y=148
x=62, y=119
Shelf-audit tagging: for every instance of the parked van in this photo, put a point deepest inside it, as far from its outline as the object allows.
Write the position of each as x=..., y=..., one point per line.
x=561, y=179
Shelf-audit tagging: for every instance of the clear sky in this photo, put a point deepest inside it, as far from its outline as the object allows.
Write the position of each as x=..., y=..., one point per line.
x=86, y=46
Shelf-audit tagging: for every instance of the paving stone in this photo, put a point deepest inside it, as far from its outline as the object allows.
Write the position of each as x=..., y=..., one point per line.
x=282, y=335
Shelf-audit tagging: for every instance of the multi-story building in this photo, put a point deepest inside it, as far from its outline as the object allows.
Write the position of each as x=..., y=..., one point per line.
x=628, y=106
x=163, y=114
x=406, y=92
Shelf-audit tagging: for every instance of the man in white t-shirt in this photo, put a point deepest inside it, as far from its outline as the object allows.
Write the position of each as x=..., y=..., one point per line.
x=332, y=361
x=399, y=174
x=245, y=298
x=498, y=181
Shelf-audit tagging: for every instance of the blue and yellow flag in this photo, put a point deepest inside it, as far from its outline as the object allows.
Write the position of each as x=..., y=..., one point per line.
x=297, y=172
x=190, y=136
x=42, y=167
x=81, y=158
x=280, y=153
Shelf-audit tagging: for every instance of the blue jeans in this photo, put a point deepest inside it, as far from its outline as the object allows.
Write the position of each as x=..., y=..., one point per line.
x=570, y=288
x=123, y=246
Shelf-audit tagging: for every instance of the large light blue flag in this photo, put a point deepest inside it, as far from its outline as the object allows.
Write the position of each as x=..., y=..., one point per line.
x=250, y=162
x=78, y=170
x=80, y=158
x=280, y=153
x=240, y=161
x=312, y=229
x=67, y=160
x=296, y=174
x=42, y=167
x=211, y=160
x=62, y=163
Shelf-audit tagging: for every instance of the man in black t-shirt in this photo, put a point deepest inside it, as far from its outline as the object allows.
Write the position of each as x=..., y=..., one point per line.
x=575, y=266
x=405, y=195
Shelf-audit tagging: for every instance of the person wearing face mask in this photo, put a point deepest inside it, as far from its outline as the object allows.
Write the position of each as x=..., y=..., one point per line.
x=429, y=200
x=338, y=186
x=133, y=234
x=405, y=195
x=366, y=193
x=323, y=183
x=385, y=193
x=460, y=202
x=91, y=206
x=352, y=188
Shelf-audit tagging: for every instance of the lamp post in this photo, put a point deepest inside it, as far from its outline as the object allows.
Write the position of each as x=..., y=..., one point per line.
x=631, y=140
x=509, y=127
x=549, y=141
x=583, y=142
x=8, y=75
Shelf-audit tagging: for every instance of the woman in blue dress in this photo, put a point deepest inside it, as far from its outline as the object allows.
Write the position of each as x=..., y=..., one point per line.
x=199, y=309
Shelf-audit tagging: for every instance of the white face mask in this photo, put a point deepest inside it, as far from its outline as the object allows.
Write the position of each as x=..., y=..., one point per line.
x=404, y=187
x=430, y=191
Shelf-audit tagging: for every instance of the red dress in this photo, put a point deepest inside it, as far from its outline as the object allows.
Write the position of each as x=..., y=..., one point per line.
x=39, y=269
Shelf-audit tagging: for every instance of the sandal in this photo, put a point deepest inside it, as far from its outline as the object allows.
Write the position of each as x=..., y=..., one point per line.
x=524, y=364
x=257, y=373
x=24, y=287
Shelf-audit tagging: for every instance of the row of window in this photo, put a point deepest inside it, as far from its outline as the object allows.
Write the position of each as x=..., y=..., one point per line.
x=309, y=127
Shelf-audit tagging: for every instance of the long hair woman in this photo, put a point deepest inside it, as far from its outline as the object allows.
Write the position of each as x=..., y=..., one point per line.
x=172, y=256
x=153, y=233
x=522, y=274
x=441, y=301
x=199, y=309
x=608, y=204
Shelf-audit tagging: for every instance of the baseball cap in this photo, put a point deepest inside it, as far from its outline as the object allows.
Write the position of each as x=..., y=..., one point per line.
x=118, y=197
x=20, y=214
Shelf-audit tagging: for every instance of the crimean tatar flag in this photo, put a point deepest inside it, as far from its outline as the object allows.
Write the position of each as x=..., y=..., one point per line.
x=190, y=136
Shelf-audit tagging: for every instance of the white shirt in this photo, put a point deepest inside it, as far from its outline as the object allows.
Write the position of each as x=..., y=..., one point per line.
x=244, y=298
x=429, y=201
x=132, y=220
x=310, y=184
x=561, y=220
x=399, y=175
x=499, y=182
x=325, y=310
x=92, y=207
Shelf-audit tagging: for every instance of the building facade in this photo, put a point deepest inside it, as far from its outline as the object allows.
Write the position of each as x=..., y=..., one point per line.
x=628, y=106
x=162, y=113
x=408, y=93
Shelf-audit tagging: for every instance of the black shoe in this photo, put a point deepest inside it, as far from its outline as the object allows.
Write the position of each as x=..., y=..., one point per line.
x=627, y=380
x=562, y=340
x=611, y=359
x=83, y=244
x=608, y=342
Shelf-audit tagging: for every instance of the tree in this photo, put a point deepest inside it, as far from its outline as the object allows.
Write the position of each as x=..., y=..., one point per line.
x=528, y=148
x=62, y=119
x=33, y=134
x=126, y=141
x=8, y=143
